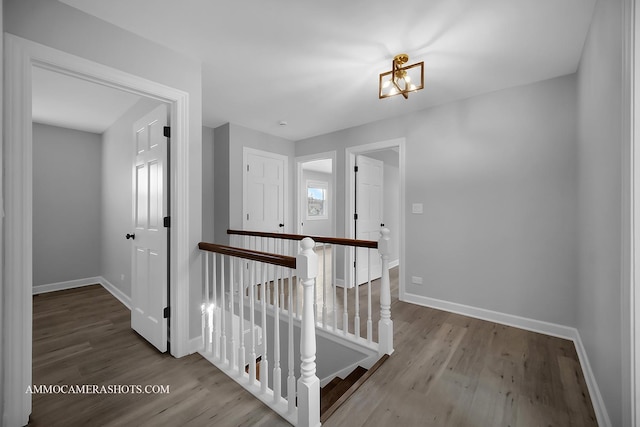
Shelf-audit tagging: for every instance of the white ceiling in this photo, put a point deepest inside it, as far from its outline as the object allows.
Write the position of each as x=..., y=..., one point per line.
x=69, y=102
x=315, y=64
x=323, y=166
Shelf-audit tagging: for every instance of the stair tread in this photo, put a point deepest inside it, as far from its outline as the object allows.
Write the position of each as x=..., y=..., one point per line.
x=334, y=393
x=334, y=400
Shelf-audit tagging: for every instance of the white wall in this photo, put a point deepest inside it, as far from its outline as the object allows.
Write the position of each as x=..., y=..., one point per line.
x=61, y=27
x=497, y=174
x=602, y=308
x=221, y=178
x=116, y=202
x=317, y=227
x=66, y=204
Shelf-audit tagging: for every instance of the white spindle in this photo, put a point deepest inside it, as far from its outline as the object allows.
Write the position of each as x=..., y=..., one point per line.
x=356, y=318
x=207, y=302
x=215, y=339
x=291, y=378
x=234, y=350
x=277, y=379
x=264, y=363
x=324, y=286
x=369, y=321
x=223, y=311
x=345, y=313
x=241, y=348
x=385, y=325
x=333, y=285
x=308, y=383
x=252, y=322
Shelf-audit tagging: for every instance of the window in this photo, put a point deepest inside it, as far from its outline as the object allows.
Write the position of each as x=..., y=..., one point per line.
x=317, y=200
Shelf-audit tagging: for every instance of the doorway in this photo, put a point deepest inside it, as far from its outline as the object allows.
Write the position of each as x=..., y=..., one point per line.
x=389, y=154
x=315, y=194
x=21, y=55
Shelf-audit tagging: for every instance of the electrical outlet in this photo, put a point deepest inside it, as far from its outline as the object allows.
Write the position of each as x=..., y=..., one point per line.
x=416, y=280
x=417, y=208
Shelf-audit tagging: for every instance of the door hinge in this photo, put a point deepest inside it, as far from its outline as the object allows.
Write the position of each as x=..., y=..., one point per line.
x=355, y=168
x=167, y=221
x=167, y=131
x=354, y=264
x=247, y=168
x=247, y=217
x=355, y=216
x=166, y=313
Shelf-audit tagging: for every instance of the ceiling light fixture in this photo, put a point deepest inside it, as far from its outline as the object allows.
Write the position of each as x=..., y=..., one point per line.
x=401, y=80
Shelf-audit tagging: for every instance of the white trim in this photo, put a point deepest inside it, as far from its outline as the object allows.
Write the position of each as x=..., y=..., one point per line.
x=394, y=263
x=333, y=155
x=631, y=258
x=117, y=293
x=69, y=284
x=350, y=153
x=20, y=56
x=547, y=328
x=196, y=345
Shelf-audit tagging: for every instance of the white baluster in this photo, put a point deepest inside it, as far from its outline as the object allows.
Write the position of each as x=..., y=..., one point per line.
x=369, y=321
x=308, y=383
x=264, y=363
x=223, y=312
x=324, y=286
x=385, y=325
x=207, y=302
x=277, y=379
x=215, y=338
x=335, y=290
x=345, y=313
x=356, y=318
x=241, y=349
x=291, y=378
x=234, y=350
x=252, y=321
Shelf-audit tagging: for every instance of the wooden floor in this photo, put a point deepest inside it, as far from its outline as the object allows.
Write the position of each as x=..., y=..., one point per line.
x=447, y=370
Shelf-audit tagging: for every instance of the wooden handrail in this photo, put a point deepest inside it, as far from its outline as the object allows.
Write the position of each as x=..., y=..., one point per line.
x=318, y=239
x=265, y=257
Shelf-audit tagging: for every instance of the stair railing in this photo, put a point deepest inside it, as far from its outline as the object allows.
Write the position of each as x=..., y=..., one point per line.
x=240, y=346
x=327, y=304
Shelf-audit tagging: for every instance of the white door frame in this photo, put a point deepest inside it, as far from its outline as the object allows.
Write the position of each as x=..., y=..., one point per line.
x=20, y=56
x=631, y=227
x=350, y=161
x=333, y=155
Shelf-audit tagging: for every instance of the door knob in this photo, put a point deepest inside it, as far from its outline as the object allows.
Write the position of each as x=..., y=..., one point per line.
x=382, y=225
x=280, y=225
x=130, y=236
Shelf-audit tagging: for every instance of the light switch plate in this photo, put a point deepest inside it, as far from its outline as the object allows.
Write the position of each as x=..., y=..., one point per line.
x=416, y=208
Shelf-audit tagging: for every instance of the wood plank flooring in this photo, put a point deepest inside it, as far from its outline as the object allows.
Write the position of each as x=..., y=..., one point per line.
x=447, y=370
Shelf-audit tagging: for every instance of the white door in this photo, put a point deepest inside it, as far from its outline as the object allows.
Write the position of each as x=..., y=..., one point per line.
x=150, y=206
x=264, y=191
x=368, y=195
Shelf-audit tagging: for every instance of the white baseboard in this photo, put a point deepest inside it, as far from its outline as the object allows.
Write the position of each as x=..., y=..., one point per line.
x=594, y=391
x=394, y=263
x=195, y=345
x=70, y=284
x=533, y=325
x=120, y=296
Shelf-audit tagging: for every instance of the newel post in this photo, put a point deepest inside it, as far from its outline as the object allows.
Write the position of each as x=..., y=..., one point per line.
x=385, y=325
x=308, y=383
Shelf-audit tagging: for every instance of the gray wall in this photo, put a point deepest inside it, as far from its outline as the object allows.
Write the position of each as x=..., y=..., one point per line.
x=208, y=208
x=602, y=301
x=66, y=204
x=497, y=174
x=59, y=26
x=117, y=161
x=317, y=227
x=229, y=143
x=221, y=182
